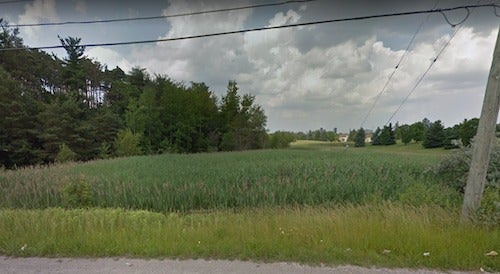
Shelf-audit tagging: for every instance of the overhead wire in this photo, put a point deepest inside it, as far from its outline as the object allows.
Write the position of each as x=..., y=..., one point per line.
x=433, y=62
x=405, y=52
x=13, y=1
x=258, y=28
x=159, y=16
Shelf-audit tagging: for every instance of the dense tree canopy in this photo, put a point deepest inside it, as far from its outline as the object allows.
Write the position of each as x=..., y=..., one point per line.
x=75, y=108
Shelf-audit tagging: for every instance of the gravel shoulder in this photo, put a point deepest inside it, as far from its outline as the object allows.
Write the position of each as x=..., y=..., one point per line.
x=11, y=265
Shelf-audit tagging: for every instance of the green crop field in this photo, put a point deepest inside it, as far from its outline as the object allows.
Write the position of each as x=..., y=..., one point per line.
x=313, y=203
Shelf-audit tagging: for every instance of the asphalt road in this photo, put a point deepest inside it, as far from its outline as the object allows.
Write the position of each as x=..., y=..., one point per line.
x=11, y=265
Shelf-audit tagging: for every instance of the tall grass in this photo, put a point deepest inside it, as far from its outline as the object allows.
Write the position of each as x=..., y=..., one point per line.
x=228, y=180
x=383, y=234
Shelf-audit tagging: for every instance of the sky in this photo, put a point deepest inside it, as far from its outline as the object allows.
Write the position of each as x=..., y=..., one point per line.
x=317, y=76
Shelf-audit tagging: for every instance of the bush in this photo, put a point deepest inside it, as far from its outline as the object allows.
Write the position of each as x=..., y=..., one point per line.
x=104, y=151
x=280, y=139
x=489, y=212
x=453, y=172
x=454, y=169
x=127, y=143
x=65, y=154
x=76, y=194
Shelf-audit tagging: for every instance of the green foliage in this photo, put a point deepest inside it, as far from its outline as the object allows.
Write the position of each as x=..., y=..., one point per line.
x=434, y=135
x=19, y=125
x=489, y=212
x=429, y=194
x=65, y=154
x=138, y=77
x=271, y=178
x=105, y=151
x=452, y=139
x=468, y=130
x=244, y=122
x=352, y=135
x=227, y=142
x=359, y=139
x=385, y=136
x=48, y=102
x=376, y=137
x=127, y=143
x=318, y=135
x=417, y=131
x=406, y=135
x=66, y=121
x=77, y=194
x=280, y=139
x=454, y=171
x=73, y=71
x=331, y=235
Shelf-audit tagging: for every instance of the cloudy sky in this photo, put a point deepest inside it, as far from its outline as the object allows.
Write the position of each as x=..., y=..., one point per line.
x=326, y=75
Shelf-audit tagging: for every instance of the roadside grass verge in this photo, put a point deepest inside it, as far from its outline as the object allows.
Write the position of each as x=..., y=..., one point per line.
x=348, y=234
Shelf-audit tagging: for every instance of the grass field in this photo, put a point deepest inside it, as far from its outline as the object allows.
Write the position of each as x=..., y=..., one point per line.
x=313, y=203
x=307, y=174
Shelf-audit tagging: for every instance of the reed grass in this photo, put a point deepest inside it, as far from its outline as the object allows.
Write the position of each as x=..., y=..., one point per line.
x=227, y=180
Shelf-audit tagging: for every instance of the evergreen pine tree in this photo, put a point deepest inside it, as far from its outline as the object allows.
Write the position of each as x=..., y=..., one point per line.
x=359, y=139
x=376, y=137
x=434, y=136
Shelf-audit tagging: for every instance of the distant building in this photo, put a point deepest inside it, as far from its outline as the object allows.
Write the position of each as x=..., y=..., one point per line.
x=368, y=137
x=343, y=137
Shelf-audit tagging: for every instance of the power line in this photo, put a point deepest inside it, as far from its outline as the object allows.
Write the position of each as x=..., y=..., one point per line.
x=432, y=64
x=424, y=74
x=398, y=64
x=13, y=1
x=159, y=16
x=259, y=28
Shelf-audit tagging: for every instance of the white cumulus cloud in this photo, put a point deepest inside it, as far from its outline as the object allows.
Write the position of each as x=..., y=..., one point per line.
x=110, y=58
x=36, y=12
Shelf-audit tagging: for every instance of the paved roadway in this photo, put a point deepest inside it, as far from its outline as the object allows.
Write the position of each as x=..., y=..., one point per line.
x=11, y=265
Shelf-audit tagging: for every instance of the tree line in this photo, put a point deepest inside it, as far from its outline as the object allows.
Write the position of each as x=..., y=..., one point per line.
x=75, y=108
x=429, y=134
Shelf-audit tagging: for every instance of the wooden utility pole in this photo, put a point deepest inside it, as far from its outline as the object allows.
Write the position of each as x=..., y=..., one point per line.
x=484, y=139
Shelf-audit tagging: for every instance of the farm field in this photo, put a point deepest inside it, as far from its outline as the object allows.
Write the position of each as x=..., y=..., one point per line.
x=312, y=203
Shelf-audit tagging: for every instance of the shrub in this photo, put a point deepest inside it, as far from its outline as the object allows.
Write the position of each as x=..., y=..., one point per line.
x=76, y=194
x=127, y=143
x=453, y=172
x=454, y=169
x=489, y=212
x=104, y=151
x=65, y=154
x=280, y=139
